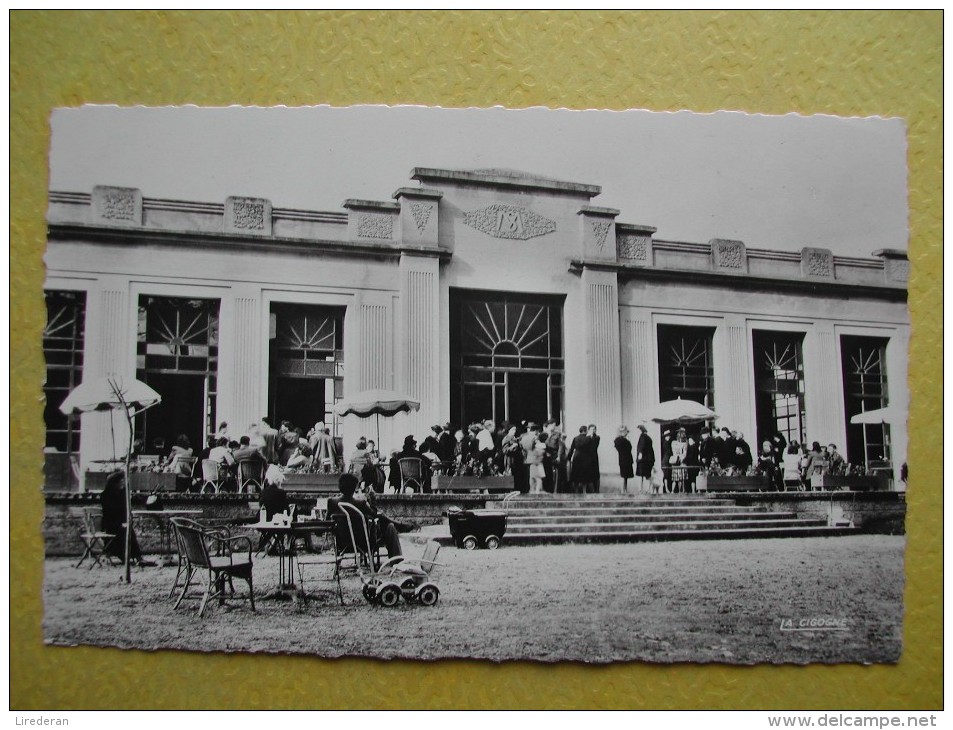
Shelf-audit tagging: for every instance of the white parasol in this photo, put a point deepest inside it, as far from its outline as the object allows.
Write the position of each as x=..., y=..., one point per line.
x=114, y=393
x=680, y=411
x=887, y=414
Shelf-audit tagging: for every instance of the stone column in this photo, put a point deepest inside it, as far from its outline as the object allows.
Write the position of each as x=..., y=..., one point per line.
x=639, y=365
x=824, y=387
x=603, y=367
x=240, y=360
x=733, y=378
x=419, y=339
x=898, y=397
x=107, y=352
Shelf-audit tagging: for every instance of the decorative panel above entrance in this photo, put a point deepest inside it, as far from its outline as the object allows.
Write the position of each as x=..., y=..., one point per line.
x=509, y=221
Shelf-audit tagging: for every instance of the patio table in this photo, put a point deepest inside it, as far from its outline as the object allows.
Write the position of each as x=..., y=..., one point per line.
x=163, y=519
x=285, y=545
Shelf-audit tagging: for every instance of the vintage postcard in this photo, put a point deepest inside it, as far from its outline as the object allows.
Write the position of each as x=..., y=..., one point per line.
x=424, y=383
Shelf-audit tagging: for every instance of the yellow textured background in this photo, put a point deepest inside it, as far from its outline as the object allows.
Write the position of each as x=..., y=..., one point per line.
x=850, y=64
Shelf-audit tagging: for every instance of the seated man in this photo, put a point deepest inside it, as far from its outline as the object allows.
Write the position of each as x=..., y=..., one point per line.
x=410, y=452
x=386, y=532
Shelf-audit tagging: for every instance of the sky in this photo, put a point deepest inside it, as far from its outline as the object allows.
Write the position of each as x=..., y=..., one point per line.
x=781, y=182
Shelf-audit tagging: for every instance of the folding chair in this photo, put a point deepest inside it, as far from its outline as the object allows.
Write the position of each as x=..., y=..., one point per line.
x=95, y=541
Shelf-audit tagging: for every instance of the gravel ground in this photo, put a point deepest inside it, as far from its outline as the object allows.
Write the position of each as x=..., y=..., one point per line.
x=703, y=601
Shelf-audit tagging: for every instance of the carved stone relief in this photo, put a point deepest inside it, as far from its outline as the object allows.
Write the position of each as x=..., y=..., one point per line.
x=634, y=248
x=600, y=230
x=817, y=262
x=421, y=213
x=375, y=225
x=729, y=255
x=118, y=206
x=509, y=221
x=249, y=215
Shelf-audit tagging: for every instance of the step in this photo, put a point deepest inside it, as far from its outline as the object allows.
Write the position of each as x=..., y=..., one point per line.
x=608, y=503
x=635, y=511
x=639, y=527
x=673, y=534
x=531, y=520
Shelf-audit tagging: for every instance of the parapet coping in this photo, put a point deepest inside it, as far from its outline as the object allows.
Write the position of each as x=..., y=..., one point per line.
x=504, y=178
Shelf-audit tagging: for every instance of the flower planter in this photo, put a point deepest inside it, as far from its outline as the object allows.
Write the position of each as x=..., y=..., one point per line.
x=144, y=481
x=323, y=483
x=464, y=483
x=852, y=483
x=737, y=484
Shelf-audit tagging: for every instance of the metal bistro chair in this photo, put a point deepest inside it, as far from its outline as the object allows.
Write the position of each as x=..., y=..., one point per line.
x=354, y=546
x=195, y=542
x=95, y=541
x=411, y=474
x=182, y=555
x=251, y=474
x=185, y=469
x=211, y=476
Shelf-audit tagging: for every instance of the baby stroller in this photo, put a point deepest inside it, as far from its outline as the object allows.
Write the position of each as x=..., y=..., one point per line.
x=399, y=576
x=471, y=528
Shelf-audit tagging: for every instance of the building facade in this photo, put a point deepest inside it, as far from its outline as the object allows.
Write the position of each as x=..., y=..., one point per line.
x=483, y=293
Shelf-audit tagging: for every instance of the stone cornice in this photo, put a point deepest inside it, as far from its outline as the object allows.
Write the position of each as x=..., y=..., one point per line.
x=235, y=242
x=504, y=178
x=744, y=281
x=357, y=204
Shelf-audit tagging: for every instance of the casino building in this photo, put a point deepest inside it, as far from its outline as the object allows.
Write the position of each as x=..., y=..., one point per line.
x=484, y=293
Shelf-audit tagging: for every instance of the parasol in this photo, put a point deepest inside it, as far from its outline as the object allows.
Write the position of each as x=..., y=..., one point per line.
x=114, y=393
x=378, y=403
x=680, y=411
x=887, y=414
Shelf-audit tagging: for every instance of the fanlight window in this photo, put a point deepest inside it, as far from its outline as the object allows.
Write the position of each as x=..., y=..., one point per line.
x=63, y=342
x=779, y=385
x=685, y=364
x=510, y=335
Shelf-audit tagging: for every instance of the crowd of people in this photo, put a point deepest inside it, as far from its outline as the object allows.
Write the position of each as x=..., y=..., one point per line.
x=286, y=446
x=540, y=458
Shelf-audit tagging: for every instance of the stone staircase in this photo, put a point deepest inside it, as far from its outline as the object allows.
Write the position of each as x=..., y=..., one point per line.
x=535, y=519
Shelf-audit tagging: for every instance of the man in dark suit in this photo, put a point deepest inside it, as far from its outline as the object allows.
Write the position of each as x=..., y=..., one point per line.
x=410, y=452
x=382, y=529
x=709, y=449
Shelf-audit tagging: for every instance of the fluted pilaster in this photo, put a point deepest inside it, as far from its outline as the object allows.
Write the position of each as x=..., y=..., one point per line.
x=639, y=371
x=733, y=377
x=419, y=375
x=824, y=397
x=105, y=435
x=604, y=407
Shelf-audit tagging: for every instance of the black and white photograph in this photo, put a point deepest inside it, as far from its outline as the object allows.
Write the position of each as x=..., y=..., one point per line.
x=425, y=383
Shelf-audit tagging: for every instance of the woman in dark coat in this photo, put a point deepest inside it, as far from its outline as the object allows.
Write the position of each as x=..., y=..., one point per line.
x=624, y=447
x=113, y=501
x=582, y=462
x=644, y=458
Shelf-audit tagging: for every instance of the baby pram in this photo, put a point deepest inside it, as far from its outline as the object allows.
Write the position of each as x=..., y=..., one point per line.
x=400, y=576
x=471, y=528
